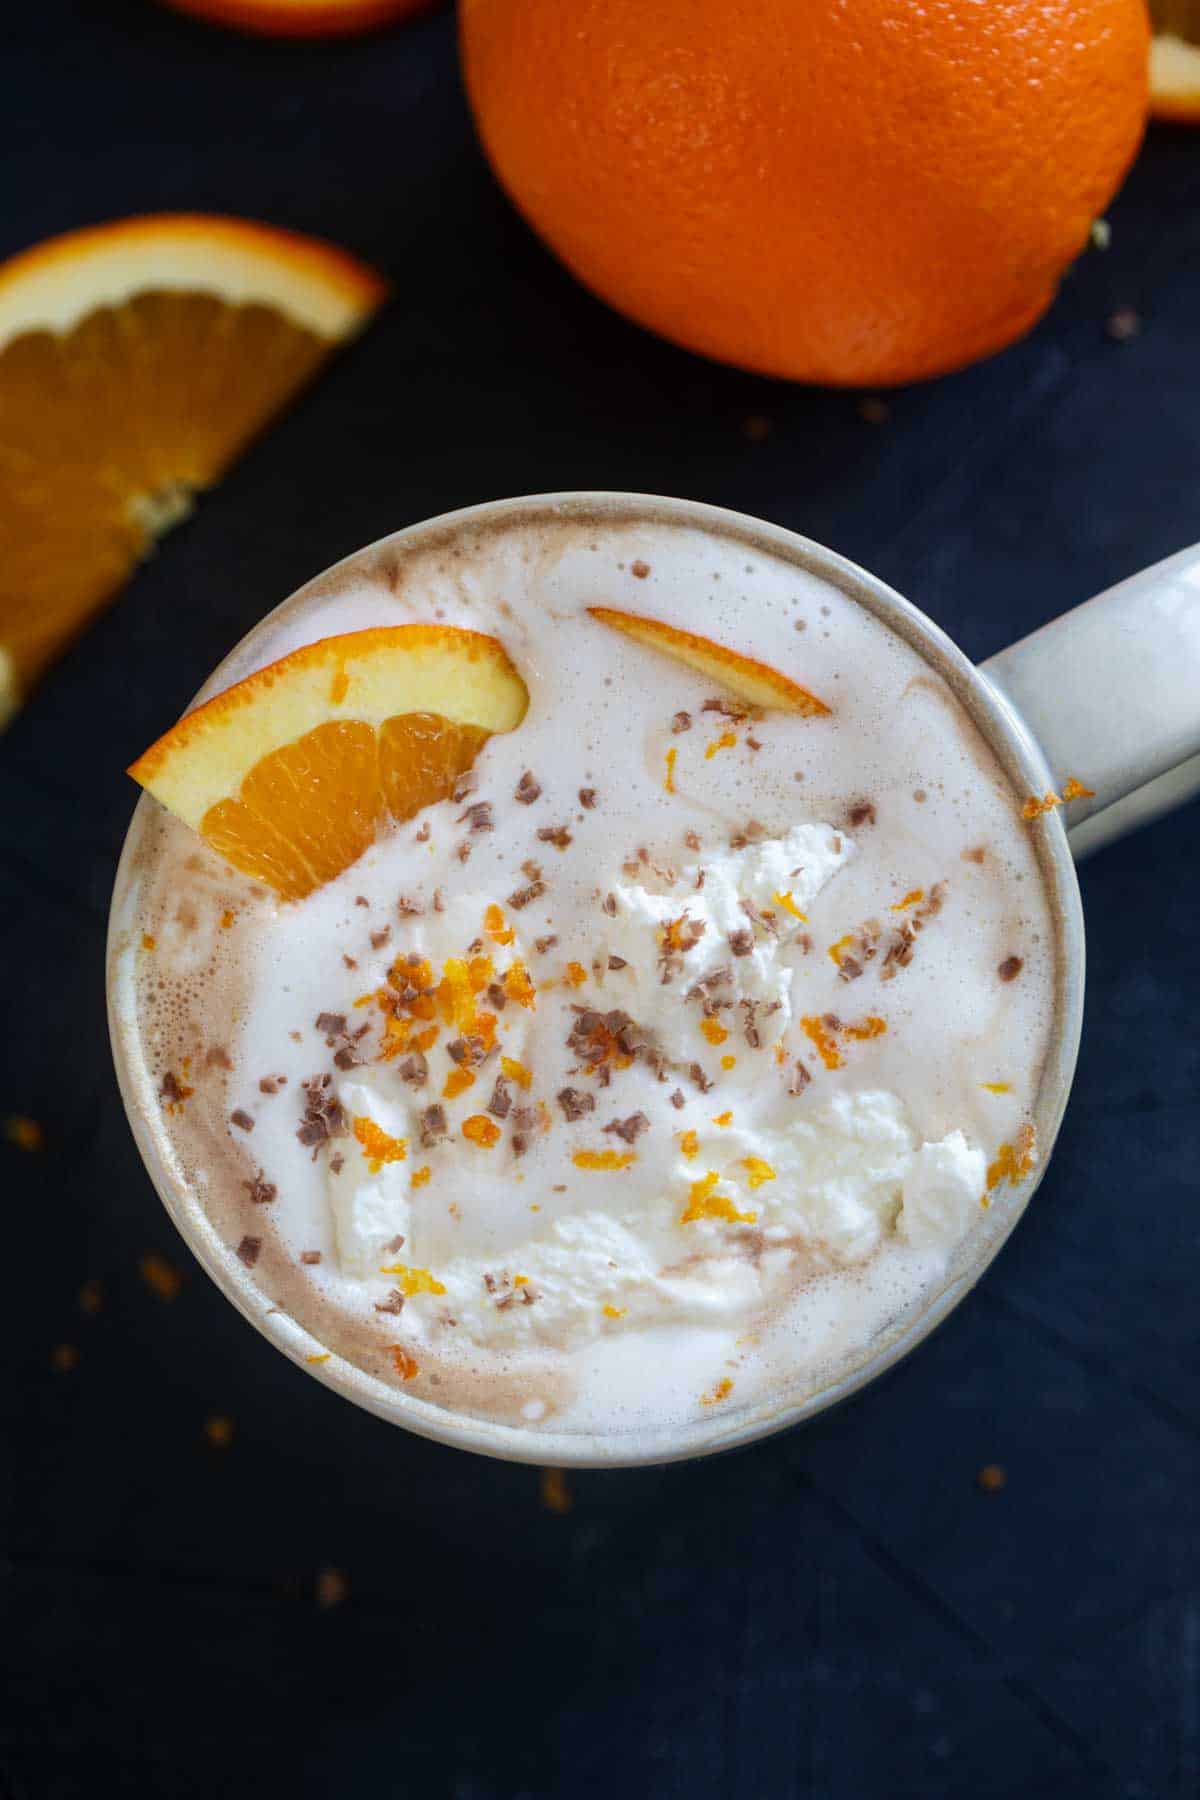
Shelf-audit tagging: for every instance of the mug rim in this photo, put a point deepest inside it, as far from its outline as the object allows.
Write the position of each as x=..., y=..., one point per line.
x=1009, y=739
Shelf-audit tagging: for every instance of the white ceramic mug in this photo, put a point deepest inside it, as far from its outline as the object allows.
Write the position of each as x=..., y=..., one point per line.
x=1109, y=692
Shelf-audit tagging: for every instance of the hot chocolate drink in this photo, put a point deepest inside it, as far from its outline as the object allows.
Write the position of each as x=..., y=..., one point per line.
x=668, y=1063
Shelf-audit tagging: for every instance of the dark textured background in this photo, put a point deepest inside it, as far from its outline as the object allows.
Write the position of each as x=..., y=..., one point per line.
x=839, y=1612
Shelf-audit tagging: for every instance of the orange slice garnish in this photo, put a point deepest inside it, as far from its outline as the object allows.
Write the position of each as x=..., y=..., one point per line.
x=302, y=18
x=136, y=360
x=291, y=774
x=754, y=682
x=1175, y=60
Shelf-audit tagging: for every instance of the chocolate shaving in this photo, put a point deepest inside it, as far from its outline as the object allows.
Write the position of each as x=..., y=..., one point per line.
x=431, y=1126
x=408, y=909
x=699, y=1077
x=422, y=836
x=862, y=812
x=741, y=942
x=630, y=1129
x=393, y=1304
x=750, y=1023
x=692, y=840
x=242, y=1119
x=798, y=1079
x=479, y=817
x=361, y=900
x=218, y=1059
x=463, y=851
x=730, y=709
x=348, y=961
x=248, y=1250
x=310, y=1256
x=271, y=1084
x=575, y=1103
x=380, y=938
x=394, y=1245
x=500, y=1104
x=496, y=996
x=464, y=784
x=337, y=1163
x=347, y=1057
x=439, y=904
x=1010, y=968
x=640, y=569
x=414, y=1070
x=609, y=905
x=587, y=798
x=324, y=1115
x=558, y=835
x=525, y=895
x=331, y=1025
x=260, y=1190
x=677, y=1100
x=171, y=1088
x=527, y=789
x=682, y=721
x=617, y=962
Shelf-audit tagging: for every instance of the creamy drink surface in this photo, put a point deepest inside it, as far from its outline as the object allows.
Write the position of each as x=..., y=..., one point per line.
x=771, y=1000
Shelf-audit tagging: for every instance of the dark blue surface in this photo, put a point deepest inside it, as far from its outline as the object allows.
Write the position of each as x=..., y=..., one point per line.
x=841, y=1613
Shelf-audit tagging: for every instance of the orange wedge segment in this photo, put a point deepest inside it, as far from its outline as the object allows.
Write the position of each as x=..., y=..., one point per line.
x=136, y=360
x=1175, y=60
x=291, y=774
x=302, y=18
x=754, y=682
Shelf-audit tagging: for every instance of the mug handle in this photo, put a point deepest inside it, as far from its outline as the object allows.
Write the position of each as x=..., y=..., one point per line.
x=1111, y=692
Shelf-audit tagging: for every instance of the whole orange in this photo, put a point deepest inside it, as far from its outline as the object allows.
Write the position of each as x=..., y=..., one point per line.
x=854, y=191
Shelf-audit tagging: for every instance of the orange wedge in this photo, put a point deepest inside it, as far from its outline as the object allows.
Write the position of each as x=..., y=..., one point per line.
x=291, y=773
x=754, y=682
x=1175, y=60
x=136, y=360
x=302, y=18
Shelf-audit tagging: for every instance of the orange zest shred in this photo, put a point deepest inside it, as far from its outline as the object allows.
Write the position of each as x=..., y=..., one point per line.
x=576, y=974
x=669, y=779
x=457, y=1082
x=835, y=950
x=413, y=1281
x=406, y=1365
x=1075, y=790
x=518, y=986
x=1013, y=1161
x=149, y=941
x=997, y=1087
x=515, y=1071
x=604, y=1159
x=821, y=1038
x=377, y=1146
x=480, y=970
x=729, y=1062
x=913, y=897
x=321, y=1356
x=455, y=999
x=726, y=741
x=421, y=1176
x=723, y=1119
x=425, y=1040
x=713, y=1030
x=481, y=1130
x=780, y=1052
x=720, y=1391
x=227, y=918
x=689, y=1144
x=704, y=1203
x=872, y=1026
x=614, y=1312
x=757, y=1171
x=495, y=926
x=789, y=906
x=1034, y=808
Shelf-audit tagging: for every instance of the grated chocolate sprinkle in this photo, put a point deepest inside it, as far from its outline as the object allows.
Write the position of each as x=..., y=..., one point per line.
x=380, y=938
x=587, y=798
x=799, y=1078
x=630, y=1129
x=1010, y=968
x=682, y=721
x=260, y=1190
x=741, y=942
x=242, y=1119
x=464, y=784
x=524, y=896
x=500, y=1104
x=414, y=1070
x=431, y=1126
x=575, y=1103
x=478, y=817
x=558, y=835
x=422, y=836
x=699, y=1077
x=862, y=812
x=527, y=789
x=271, y=1084
x=393, y=1304
x=248, y=1250
x=407, y=908
x=677, y=1100
x=310, y=1256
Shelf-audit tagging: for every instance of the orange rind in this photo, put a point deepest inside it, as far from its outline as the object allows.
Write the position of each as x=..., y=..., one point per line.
x=755, y=682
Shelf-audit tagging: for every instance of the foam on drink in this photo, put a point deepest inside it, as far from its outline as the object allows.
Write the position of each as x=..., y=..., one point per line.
x=768, y=997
